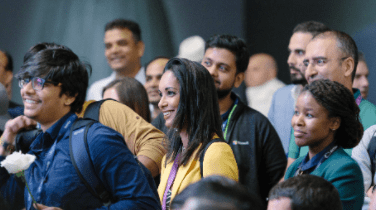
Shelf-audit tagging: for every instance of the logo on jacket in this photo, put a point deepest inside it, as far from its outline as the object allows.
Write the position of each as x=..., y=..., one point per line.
x=236, y=142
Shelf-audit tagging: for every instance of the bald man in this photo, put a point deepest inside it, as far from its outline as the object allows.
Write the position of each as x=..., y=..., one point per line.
x=153, y=72
x=261, y=81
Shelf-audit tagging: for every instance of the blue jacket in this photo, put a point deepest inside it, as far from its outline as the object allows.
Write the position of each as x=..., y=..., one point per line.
x=344, y=173
x=53, y=180
x=280, y=114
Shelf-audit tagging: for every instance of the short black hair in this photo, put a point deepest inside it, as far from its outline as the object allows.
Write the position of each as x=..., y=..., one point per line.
x=345, y=44
x=217, y=192
x=198, y=109
x=307, y=192
x=58, y=63
x=128, y=24
x=312, y=27
x=233, y=44
x=361, y=57
x=339, y=102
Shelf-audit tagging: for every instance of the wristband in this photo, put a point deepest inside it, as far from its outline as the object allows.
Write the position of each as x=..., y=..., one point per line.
x=373, y=188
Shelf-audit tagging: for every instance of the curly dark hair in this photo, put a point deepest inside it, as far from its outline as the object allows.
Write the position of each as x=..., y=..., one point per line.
x=339, y=102
x=198, y=109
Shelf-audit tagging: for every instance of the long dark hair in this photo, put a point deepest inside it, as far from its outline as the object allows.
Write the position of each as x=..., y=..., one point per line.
x=133, y=94
x=198, y=109
x=339, y=102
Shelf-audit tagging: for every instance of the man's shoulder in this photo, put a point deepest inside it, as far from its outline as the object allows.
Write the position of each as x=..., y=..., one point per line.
x=367, y=113
x=95, y=89
x=285, y=89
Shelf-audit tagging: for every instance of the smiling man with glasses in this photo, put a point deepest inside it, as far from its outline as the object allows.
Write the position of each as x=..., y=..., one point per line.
x=53, y=84
x=333, y=55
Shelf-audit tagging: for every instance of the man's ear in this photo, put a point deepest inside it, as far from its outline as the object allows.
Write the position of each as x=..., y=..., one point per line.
x=239, y=77
x=141, y=48
x=69, y=99
x=348, y=65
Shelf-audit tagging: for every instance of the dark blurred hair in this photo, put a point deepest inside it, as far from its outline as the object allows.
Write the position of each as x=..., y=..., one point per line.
x=345, y=44
x=218, y=192
x=133, y=94
x=312, y=27
x=307, y=192
x=128, y=24
x=198, y=109
x=339, y=102
x=361, y=57
x=234, y=44
x=156, y=58
x=59, y=64
x=9, y=66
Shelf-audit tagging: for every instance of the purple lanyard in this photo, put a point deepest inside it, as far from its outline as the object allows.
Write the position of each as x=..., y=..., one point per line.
x=358, y=99
x=170, y=180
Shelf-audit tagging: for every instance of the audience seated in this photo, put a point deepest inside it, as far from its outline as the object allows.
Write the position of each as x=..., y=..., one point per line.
x=284, y=99
x=361, y=76
x=326, y=120
x=153, y=73
x=246, y=130
x=216, y=193
x=306, y=192
x=123, y=49
x=261, y=81
x=130, y=92
x=53, y=85
x=142, y=139
x=190, y=107
x=333, y=55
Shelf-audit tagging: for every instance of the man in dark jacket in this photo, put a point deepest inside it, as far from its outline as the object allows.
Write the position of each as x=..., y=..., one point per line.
x=257, y=148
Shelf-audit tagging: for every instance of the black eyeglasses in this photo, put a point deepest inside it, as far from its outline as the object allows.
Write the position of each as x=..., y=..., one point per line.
x=36, y=82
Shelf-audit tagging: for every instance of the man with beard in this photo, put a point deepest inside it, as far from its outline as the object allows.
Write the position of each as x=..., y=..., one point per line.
x=257, y=148
x=283, y=103
x=255, y=143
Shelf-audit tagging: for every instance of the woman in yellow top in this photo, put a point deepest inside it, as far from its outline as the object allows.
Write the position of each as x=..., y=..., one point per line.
x=189, y=104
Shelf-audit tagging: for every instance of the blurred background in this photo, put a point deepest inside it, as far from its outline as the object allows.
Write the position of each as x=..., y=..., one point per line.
x=266, y=26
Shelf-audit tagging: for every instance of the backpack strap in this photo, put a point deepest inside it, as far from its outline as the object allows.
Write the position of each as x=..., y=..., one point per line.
x=81, y=160
x=372, y=153
x=92, y=111
x=203, y=154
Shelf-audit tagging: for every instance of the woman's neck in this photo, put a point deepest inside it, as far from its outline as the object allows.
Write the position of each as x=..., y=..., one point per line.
x=315, y=149
x=184, y=138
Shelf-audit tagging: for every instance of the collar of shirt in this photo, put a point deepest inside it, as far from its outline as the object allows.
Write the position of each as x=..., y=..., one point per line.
x=310, y=165
x=46, y=139
x=356, y=93
x=227, y=113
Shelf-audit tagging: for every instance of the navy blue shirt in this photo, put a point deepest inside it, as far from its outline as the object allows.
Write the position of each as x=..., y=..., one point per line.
x=53, y=180
x=309, y=165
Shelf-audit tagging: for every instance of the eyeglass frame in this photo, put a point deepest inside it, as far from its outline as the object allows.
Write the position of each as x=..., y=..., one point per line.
x=315, y=61
x=23, y=82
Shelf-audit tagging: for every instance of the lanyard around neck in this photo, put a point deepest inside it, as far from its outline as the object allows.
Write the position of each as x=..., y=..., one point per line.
x=326, y=156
